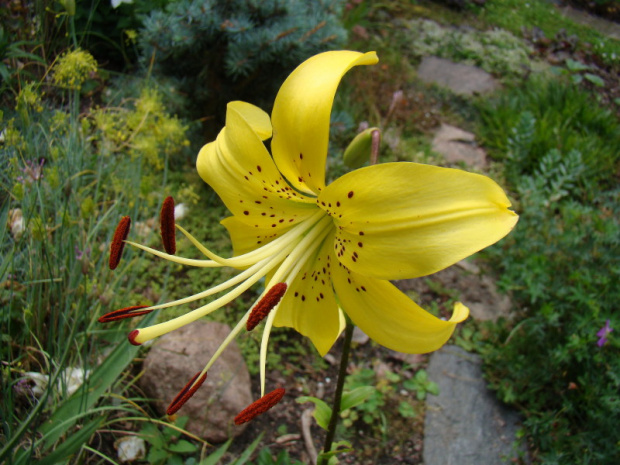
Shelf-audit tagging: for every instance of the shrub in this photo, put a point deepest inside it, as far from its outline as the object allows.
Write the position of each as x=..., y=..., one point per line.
x=561, y=264
x=241, y=49
x=564, y=118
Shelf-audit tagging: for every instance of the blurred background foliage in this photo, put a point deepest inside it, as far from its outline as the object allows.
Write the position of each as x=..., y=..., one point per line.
x=104, y=107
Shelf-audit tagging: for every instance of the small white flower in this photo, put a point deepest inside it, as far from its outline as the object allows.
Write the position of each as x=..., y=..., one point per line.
x=130, y=448
x=116, y=3
x=16, y=222
x=180, y=211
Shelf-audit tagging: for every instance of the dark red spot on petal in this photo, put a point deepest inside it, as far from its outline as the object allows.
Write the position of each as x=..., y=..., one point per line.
x=350, y=194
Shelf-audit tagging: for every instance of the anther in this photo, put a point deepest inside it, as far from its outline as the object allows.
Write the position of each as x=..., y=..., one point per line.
x=185, y=394
x=166, y=222
x=260, y=406
x=127, y=312
x=265, y=305
x=118, y=241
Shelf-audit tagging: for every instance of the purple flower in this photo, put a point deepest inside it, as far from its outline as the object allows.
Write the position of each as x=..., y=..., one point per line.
x=602, y=334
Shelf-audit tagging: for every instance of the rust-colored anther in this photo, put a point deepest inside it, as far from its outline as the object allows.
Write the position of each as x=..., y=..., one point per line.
x=187, y=392
x=127, y=312
x=132, y=337
x=260, y=406
x=166, y=222
x=265, y=305
x=118, y=241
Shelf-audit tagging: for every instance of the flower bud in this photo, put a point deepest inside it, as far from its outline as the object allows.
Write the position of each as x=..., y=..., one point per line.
x=359, y=150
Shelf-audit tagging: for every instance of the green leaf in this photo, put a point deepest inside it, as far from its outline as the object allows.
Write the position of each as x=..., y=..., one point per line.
x=182, y=447
x=405, y=409
x=151, y=434
x=249, y=451
x=100, y=380
x=156, y=456
x=322, y=411
x=174, y=460
x=432, y=388
x=576, y=65
x=73, y=443
x=214, y=458
x=356, y=397
x=594, y=79
x=265, y=457
x=346, y=447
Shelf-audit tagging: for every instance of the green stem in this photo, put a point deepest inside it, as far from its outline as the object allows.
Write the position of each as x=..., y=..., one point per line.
x=342, y=373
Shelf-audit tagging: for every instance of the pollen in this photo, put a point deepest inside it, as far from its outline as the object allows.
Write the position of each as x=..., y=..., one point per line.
x=127, y=312
x=260, y=406
x=118, y=241
x=265, y=305
x=185, y=394
x=166, y=221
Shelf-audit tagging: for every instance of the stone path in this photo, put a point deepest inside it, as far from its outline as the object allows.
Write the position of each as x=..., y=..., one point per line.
x=460, y=78
x=609, y=28
x=465, y=424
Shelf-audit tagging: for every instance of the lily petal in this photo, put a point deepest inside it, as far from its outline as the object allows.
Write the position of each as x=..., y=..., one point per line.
x=301, y=116
x=239, y=168
x=389, y=317
x=309, y=305
x=405, y=220
x=246, y=239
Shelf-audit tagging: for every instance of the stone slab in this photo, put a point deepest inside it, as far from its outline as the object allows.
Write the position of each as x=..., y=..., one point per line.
x=459, y=78
x=458, y=146
x=465, y=424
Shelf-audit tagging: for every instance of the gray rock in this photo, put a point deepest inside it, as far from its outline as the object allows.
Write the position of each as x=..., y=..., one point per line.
x=457, y=146
x=459, y=78
x=179, y=355
x=465, y=424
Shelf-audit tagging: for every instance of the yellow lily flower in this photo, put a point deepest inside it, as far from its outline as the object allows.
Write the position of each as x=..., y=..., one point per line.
x=328, y=249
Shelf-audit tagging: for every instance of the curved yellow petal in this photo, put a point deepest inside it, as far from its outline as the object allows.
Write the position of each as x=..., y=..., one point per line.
x=239, y=168
x=309, y=304
x=301, y=116
x=405, y=220
x=255, y=117
x=389, y=317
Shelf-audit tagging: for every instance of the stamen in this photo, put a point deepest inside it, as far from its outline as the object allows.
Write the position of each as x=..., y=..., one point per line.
x=187, y=392
x=132, y=338
x=265, y=305
x=118, y=242
x=166, y=221
x=127, y=312
x=260, y=406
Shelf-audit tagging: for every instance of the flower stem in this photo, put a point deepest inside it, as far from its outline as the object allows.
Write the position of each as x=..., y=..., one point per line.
x=342, y=373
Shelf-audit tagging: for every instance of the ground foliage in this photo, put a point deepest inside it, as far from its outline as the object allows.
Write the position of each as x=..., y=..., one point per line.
x=71, y=164
x=547, y=361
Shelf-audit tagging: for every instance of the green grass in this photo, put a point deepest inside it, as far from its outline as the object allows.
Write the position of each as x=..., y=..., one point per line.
x=517, y=15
